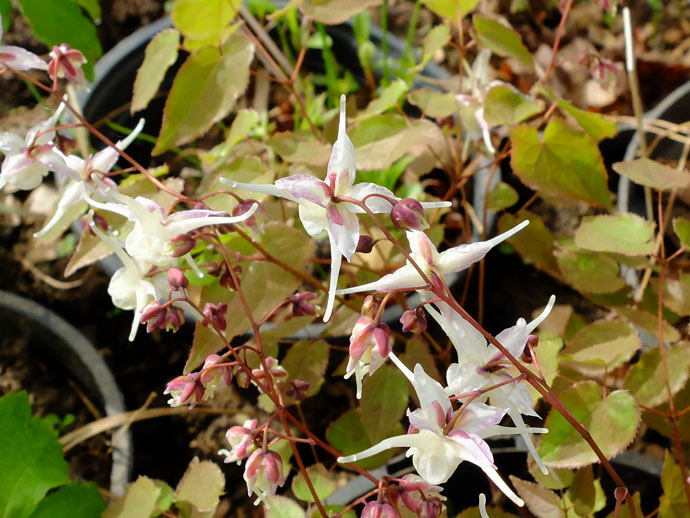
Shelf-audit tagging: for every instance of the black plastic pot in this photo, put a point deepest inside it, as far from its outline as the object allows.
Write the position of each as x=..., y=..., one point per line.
x=48, y=334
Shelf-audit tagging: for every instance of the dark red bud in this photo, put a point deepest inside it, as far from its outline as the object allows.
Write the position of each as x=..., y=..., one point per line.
x=365, y=244
x=408, y=214
x=413, y=321
x=177, y=279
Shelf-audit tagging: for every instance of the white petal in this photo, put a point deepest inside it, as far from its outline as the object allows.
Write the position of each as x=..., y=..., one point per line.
x=376, y=204
x=336, y=260
x=429, y=390
x=260, y=188
x=346, y=234
x=405, y=277
x=542, y=316
x=305, y=187
x=313, y=217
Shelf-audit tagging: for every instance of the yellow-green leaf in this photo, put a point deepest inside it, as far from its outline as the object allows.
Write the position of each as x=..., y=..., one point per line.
x=681, y=226
x=502, y=40
x=332, y=12
x=321, y=480
x=451, y=10
x=199, y=489
x=645, y=171
x=674, y=503
x=161, y=52
x=535, y=242
x=646, y=380
x=433, y=102
x=596, y=126
x=589, y=272
x=505, y=105
x=626, y=234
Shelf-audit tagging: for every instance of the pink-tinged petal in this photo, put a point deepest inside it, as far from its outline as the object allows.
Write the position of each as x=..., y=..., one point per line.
x=336, y=259
x=105, y=159
x=398, y=441
x=421, y=247
x=346, y=233
x=183, y=224
x=20, y=59
x=463, y=378
x=341, y=166
x=478, y=417
x=313, y=217
x=56, y=163
x=334, y=215
x=514, y=338
x=429, y=391
x=305, y=187
x=375, y=203
x=405, y=277
x=461, y=257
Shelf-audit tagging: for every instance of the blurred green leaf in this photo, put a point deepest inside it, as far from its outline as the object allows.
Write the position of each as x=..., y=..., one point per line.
x=612, y=421
x=556, y=478
x=92, y=7
x=626, y=234
x=300, y=147
x=649, y=322
x=311, y=371
x=139, y=501
x=332, y=12
x=582, y=493
x=388, y=99
x=624, y=511
x=384, y=400
x=594, y=124
x=165, y=498
x=204, y=91
x=542, y=502
x=32, y=461
x=6, y=13
x=681, y=226
x=433, y=103
x=505, y=105
x=674, y=503
x=199, y=490
x=204, y=22
x=501, y=197
x=541, y=164
x=71, y=501
x=645, y=171
x=589, y=272
x=646, y=379
x=662, y=424
x=54, y=23
x=502, y=40
x=451, y=10
x=283, y=507
x=600, y=347
x=386, y=177
x=321, y=480
x=437, y=38
x=161, y=52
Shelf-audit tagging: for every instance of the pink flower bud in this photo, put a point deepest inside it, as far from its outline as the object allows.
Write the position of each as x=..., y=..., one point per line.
x=378, y=510
x=215, y=370
x=408, y=214
x=243, y=207
x=66, y=62
x=182, y=244
x=370, y=306
x=154, y=316
x=275, y=370
x=241, y=438
x=421, y=497
x=366, y=334
x=300, y=304
x=185, y=390
x=177, y=279
x=365, y=244
x=215, y=313
x=413, y=321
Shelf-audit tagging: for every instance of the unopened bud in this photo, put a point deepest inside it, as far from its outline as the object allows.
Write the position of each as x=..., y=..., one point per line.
x=182, y=244
x=370, y=306
x=366, y=333
x=153, y=315
x=177, y=279
x=215, y=314
x=408, y=214
x=300, y=304
x=243, y=207
x=297, y=389
x=413, y=321
x=174, y=319
x=378, y=510
x=185, y=390
x=365, y=244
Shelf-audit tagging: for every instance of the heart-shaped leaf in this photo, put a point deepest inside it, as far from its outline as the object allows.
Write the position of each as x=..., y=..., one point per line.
x=646, y=380
x=645, y=171
x=626, y=234
x=502, y=40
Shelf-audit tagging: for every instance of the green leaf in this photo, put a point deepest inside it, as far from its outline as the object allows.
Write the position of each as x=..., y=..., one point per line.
x=624, y=511
x=300, y=147
x=649, y=322
x=505, y=105
x=589, y=272
x=388, y=99
x=542, y=502
x=677, y=294
x=502, y=40
x=612, y=421
x=501, y=197
x=681, y=226
x=384, y=400
x=601, y=347
x=332, y=12
x=138, y=502
x=451, y=10
x=311, y=371
x=161, y=52
x=263, y=283
x=646, y=380
x=6, y=13
x=594, y=124
x=543, y=165
x=662, y=424
x=645, y=171
x=417, y=352
x=204, y=91
x=332, y=510
x=534, y=242
x=349, y=435
x=198, y=492
x=556, y=478
x=32, y=461
x=93, y=8
x=71, y=501
x=437, y=38
x=433, y=103
x=626, y=234
x=582, y=492
x=204, y=22
x=283, y=507
x=674, y=503
x=54, y=23
x=321, y=480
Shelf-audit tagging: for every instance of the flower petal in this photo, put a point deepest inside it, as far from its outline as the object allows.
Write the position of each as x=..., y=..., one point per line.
x=20, y=59
x=344, y=229
x=305, y=187
x=336, y=260
x=405, y=277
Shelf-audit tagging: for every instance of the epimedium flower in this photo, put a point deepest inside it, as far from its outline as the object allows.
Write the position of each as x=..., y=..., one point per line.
x=481, y=365
x=19, y=58
x=440, y=438
x=321, y=206
x=130, y=286
x=151, y=239
x=29, y=159
x=431, y=262
x=370, y=344
x=263, y=473
x=66, y=62
x=72, y=203
x=241, y=438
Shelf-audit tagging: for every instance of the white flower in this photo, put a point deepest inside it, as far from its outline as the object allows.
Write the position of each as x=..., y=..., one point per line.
x=431, y=262
x=150, y=239
x=72, y=204
x=130, y=287
x=29, y=159
x=19, y=58
x=444, y=439
x=481, y=365
x=318, y=208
